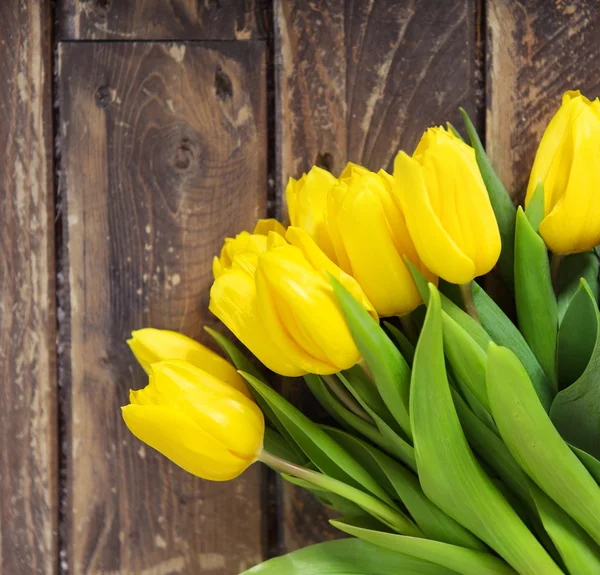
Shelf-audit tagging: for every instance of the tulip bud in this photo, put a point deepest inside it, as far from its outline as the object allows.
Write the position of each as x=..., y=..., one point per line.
x=447, y=209
x=568, y=163
x=281, y=305
x=371, y=239
x=307, y=206
x=199, y=422
x=151, y=345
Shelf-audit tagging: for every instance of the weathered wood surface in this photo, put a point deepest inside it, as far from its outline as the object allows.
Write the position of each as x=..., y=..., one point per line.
x=162, y=20
x=163, y=155
x=360, y=80
x=535, y=52
x=357, y=82
x=28, y=425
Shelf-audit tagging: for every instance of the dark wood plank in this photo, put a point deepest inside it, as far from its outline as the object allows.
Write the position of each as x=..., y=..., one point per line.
x=161, y=20
x=28, y=426
x=536, y=51
x=359, y=80
x=163, y=155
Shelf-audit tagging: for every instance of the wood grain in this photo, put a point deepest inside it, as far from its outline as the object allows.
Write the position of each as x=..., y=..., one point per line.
x=163, y=155
x=162, y=20
x=535, y=51
x=357, y=81
x=360, y=80
x=28, y=425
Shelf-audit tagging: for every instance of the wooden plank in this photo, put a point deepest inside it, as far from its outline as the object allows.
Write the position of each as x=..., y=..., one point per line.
x=163, y=155
x=536, y=51
x=357, y=81
x=28, y=426
x=160, y=20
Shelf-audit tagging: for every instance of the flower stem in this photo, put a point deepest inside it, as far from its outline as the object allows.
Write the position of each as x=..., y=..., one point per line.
x=395, y=519
x=466, y=292
x=409, y=328
x=555, y=262
x=341, y=393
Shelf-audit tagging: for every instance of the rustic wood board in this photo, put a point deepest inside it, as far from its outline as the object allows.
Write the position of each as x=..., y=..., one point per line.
x=162, y=20
x=360, y=80
x=535, y=52
x=163, y=153
x=28, y=426
x=356, y=82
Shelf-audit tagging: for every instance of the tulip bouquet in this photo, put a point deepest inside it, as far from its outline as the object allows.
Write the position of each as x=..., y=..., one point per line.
x=457, y=442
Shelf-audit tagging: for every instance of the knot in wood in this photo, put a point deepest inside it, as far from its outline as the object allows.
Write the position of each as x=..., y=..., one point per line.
x=104, y=96
x=223, y=85
x=183, y=155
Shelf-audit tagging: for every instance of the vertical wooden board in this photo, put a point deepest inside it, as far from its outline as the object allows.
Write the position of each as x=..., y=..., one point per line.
x=161, y=20
x=357, y=81
x=28, y=430
x=163, y=155
x=360, y=80
x=535, y=51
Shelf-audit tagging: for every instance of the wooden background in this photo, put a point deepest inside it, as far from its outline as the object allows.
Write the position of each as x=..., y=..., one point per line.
x=136, y=135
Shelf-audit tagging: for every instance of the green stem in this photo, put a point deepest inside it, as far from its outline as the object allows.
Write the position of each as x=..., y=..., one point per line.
x=466, y=292
x=395, y=519
x=341, y=393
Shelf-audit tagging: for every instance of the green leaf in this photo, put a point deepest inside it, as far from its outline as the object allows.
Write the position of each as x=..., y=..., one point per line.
x=323, y=451
x=534, y=295
x=275, y=443
x=404, y=485
x=449, y=472
x=576, y=410
x=452, y=129
x=466, y=357
x=389, y=369
x=590, y=462
x=503, y=332
x=459, y=559
x=535, y=210
x=502, y=203
x=577, y=336
x=346, y=557
x=572, y=268
x=407, y=349
x=535, y=443
x=242, y=363
x=390, y=441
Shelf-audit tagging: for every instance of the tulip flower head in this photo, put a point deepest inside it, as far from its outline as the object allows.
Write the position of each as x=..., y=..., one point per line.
x=281, y=305
x=447, y=209
x=371, y=239
x=307, y=206
x=568, y=164
x=198, y=421
x=151, y=345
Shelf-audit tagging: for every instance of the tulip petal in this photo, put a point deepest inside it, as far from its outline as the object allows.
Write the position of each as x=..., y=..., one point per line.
x=436, y=248
x=176, y=436
x=263, y=227
x=151, y=345
x=233, y=300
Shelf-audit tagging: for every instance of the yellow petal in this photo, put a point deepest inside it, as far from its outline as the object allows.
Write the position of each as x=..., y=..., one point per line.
x=150, y=345
x=233, y=300
x=217, y=408
x=436, y=248
x=317, y=259
x=263, y=227
x=175, y=435
x=299, y=308
x=573, y=225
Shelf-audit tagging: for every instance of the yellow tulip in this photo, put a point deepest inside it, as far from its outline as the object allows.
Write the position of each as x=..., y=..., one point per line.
x=568, y=163
x=151, y=345
x=198, y=421
x=307, y=205
x=447, y=208
x=281, y=305
x=371, y=239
